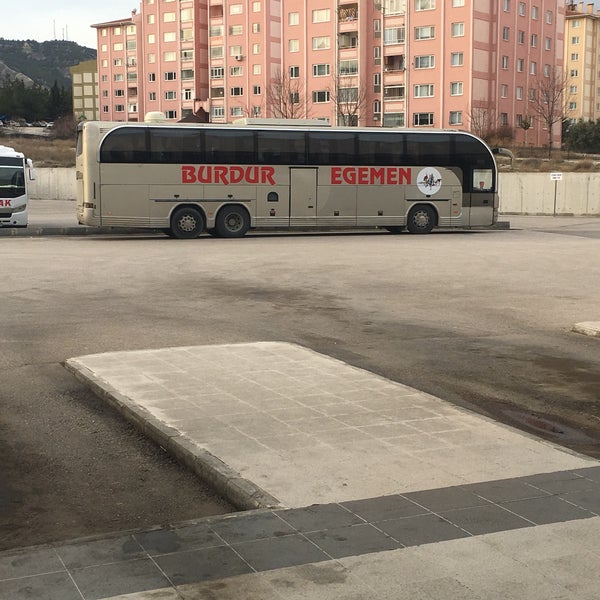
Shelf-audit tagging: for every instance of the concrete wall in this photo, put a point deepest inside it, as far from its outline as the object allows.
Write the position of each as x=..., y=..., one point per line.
x=520, y=193
x=537, y=194
x=53, y=184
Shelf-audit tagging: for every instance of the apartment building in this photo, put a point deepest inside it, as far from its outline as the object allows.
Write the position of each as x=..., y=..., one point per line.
x=582, y=61
x=465, y=64
x=85, y=90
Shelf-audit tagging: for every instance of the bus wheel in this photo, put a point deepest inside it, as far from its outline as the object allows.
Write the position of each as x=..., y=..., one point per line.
x=186, y=223
x=232, y=221
x=421, y=219
x=395, y=228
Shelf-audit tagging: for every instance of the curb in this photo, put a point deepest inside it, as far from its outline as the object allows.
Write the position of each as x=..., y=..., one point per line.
x=74, y=231
x=590, y=328
x=240, y=492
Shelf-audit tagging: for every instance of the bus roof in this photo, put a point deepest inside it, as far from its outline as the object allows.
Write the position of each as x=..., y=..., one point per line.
x=7, y=151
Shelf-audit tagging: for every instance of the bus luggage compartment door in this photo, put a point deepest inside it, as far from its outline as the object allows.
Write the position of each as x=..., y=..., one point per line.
x=303, y=196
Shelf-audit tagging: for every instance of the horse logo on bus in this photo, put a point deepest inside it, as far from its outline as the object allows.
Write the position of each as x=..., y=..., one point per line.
x=429, y=181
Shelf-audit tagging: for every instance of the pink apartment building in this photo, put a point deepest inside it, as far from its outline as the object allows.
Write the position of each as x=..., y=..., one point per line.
x=463, y=64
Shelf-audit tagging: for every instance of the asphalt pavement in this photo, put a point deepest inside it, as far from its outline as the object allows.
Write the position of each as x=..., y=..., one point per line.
x=349, y=485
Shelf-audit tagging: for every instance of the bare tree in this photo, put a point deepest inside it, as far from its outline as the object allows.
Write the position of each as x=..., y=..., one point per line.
x=285, y=98
x=549, y=99
x=483, y=120
x=349, y=99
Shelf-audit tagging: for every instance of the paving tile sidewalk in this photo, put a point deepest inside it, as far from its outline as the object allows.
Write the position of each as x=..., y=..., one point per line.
x=372, y=490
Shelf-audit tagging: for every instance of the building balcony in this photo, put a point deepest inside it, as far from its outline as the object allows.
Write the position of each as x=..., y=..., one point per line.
x=348, y=14
x=347, y=41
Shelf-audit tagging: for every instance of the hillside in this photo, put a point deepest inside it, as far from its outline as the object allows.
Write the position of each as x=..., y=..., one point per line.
x=41, y=62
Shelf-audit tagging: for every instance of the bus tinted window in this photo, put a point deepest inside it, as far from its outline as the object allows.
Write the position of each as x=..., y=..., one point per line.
x=429, y=149
x=382, y=149
x=229, y=147
x=124, y=145
x=281, y=148
x=327, y=148
x=176, y=145
x=473, y=152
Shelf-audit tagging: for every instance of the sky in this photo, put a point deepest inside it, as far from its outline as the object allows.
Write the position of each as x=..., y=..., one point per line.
x=44, y=20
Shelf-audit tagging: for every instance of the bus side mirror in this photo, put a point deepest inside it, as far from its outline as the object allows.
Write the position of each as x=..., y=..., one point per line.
x=30, y=169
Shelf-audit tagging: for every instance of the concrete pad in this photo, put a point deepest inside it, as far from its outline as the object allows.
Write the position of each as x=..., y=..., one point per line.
x=288, y=424
x=591, y=328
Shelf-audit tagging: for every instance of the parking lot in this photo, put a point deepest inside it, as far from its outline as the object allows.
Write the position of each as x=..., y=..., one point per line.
x=481, y=319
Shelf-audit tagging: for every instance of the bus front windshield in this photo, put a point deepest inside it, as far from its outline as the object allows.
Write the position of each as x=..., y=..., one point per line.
x=12, y=180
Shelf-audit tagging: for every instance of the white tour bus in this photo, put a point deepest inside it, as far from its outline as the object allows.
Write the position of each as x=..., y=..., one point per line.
x=227, y=179
x=15, y=170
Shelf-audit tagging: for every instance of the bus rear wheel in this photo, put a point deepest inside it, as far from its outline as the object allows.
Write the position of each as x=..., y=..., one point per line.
x=232, y=222
x=421, y=219
x=187, y=223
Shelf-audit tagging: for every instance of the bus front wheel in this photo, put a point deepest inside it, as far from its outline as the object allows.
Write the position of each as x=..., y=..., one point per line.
x=232, y=222
x=186, y=223
x=421, y=219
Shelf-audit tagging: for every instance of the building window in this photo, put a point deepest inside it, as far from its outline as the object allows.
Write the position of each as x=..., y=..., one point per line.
x=519, y=92
x=187, y=55
x=348, y=67
x=237, y=91
x=455, y=117
x=236, y=71
x=294, y=45
x=393, y=119
x=394, y=7
x=236, y=111
x=503, y=91
x=394, y=35
x=256, y=90
x=506, y=5
x=119, y=108
x=422, y=119
x=170, y=56
x=118, y=47
x=187, y=94
x=458, y=29
x=321, y=70
x=151, y=76
x=119, y=92
x=505, y=62
x=216, y=30
x=217, y=112
x=506, y=33
x=256, y=69
x=293, y=18
x=294, y=72
x=424, y=4
x=549, y=17
x=170, y=76
x=217, y=72
x=548, y=43
x=534, y=12
x=187, y=35
x=456, y=59
x=235, y=50
x=295, y=98
x=321, y=15
x=152, y=96
x=169, y=17
x=216, y=51
x=522, y=9
x=534, y=41
x=255, y=27
x=255, y=48
x=321, y=43
x=320, y=97
x=171, y=114
x=425, y=33
x=256, y=7
x=520, y=65
x=521, y=37
x=394, y=92
x=169, y=36
x=425, y=62
x=170, y=95
x=118, y=77
x=457, y=3
x=236, y=9
x=456, y=88
x=424, y=90
x=533, y=68
x=186, y=14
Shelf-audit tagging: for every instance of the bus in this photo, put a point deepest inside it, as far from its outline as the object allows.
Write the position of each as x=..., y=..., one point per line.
x=15, y=170
x=185, y=179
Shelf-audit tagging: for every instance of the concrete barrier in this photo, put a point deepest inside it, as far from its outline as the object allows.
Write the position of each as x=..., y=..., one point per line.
x=576, y=194
x=520, y=193
x=53, y=183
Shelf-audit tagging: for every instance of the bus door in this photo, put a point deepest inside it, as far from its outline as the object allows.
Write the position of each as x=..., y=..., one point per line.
x=303, y=196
